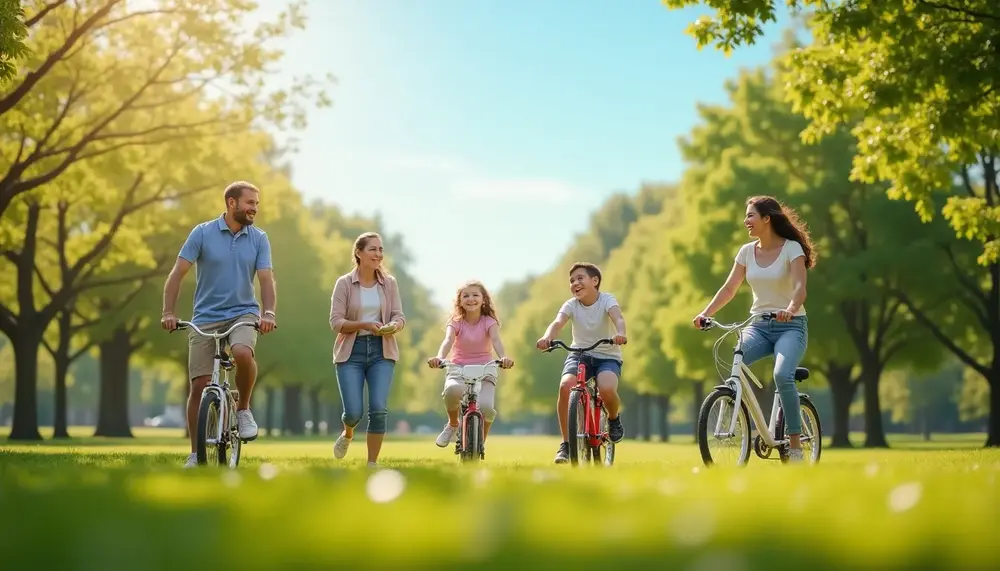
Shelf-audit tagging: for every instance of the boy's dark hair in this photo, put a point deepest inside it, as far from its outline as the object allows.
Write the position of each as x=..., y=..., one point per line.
x=591, y=269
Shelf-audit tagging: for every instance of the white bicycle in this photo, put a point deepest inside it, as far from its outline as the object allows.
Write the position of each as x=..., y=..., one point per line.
x=736, y=388
x=471, y=422
x=218, y=438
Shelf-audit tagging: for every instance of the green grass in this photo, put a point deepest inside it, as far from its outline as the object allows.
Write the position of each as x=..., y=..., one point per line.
x=97, y=504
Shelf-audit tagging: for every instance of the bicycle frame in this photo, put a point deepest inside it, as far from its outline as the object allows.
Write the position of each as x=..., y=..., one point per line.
x=473, y=376
x=217, y=365
x=739, y=383
x=591, y=399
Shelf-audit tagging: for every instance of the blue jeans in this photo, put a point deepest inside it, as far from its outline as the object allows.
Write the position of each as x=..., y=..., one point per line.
x=787, y=341
x=366, y=363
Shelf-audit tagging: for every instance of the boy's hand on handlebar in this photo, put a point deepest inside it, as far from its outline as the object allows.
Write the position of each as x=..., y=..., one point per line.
x=619, y=340
x=506, y=363
x=434, y=363
x=266, y=324
x=543, y=343
x=700, y=321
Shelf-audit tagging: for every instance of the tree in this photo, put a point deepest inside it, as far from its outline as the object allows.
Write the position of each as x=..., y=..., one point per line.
x=865, y=241
x=913, y=79
x=117, y=116
x=12, y=33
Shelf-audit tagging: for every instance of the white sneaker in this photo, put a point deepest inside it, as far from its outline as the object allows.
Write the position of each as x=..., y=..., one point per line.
x=795, y=455
x=340, y=446
x=192, y=461
x=447, y=435
x=247, y=425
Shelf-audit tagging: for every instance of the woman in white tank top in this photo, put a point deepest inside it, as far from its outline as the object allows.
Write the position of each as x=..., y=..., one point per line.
x=775, y=266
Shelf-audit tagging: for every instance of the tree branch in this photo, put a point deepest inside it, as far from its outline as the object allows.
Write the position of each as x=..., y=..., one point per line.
x=32, y=78
x=43, y=12
x=940, y=336
x=957, y=10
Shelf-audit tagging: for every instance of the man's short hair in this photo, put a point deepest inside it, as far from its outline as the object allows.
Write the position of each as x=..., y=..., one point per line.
x=235, y=190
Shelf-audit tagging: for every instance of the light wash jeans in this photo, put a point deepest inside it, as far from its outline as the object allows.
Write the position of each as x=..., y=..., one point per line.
x=366, y=363
x=787, y=341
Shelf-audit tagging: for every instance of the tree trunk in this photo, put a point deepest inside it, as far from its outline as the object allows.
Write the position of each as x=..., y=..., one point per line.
x=112, y=412
x=698, y=392
x=993, y=424
x=269, y=411
x=664, y=403
x=25, y=422
x=292, y=422
x=871, y=374
x=842, y=391
x=645, y=416
x=60, y=422
x=316, y=412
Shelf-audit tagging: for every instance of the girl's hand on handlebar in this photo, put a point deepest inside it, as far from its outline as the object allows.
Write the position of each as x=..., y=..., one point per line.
x=543, y=343
x=434, y=363
x=699, y=321
x=506, y=363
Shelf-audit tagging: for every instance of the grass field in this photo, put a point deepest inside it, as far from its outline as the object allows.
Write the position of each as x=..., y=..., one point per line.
x=108, y=505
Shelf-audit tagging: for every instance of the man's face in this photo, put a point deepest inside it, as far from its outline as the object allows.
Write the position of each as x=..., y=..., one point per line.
x=245, y=209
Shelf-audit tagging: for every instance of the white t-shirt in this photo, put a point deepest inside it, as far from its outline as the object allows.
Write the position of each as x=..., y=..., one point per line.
x=772, y=286
x=371, y=307
x=591, y=323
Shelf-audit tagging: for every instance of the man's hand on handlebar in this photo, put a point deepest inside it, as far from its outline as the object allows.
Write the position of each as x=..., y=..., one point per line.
x=168, y=321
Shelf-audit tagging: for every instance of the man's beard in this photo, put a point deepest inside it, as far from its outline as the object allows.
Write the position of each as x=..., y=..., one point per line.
x=241, y=217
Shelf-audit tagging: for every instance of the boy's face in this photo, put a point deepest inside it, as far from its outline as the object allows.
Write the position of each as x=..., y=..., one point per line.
x=581, y=284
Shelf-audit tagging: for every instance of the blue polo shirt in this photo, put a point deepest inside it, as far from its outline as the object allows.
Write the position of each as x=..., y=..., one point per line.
x=225, y=266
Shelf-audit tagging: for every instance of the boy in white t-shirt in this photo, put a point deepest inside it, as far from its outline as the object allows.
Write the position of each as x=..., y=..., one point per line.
x=596, y=315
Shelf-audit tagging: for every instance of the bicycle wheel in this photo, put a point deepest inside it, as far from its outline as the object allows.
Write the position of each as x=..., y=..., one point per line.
x=605, y=452
x=812, y=432
x=707, y=423
x=472, y=439
x=209, y=418
x=576, y=428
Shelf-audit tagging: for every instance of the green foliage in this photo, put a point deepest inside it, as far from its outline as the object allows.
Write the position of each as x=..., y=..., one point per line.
x=12, y=34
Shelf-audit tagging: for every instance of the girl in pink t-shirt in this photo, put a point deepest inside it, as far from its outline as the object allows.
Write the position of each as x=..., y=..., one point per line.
x=471, y=336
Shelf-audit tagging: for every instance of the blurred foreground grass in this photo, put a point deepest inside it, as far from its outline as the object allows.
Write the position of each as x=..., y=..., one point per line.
x=99, y=504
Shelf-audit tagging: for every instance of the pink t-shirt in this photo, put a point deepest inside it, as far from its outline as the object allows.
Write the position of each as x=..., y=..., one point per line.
x=472, y=341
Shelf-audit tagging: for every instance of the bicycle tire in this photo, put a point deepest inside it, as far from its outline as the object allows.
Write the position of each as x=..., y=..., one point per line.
x=209, y=402
x=608, y=456
x=472, y=439
x=703, y=433
x=779, y=428
x=574, y=427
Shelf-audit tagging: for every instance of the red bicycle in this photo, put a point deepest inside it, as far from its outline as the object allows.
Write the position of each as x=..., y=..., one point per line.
x=586, y=410
x=471, y=427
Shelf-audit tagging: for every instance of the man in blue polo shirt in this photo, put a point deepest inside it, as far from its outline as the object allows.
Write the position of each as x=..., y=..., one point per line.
x=228, y=252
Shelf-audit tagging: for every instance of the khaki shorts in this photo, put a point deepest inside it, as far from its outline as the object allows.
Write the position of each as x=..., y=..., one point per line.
x=201, y=349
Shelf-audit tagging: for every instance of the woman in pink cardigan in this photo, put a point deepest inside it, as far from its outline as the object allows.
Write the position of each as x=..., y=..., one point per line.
x=365, y=311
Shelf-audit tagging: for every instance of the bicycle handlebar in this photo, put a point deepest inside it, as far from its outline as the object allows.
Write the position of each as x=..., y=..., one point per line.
x=708, y=323
x=181, y=324
x=447, y=363
x=557, y=343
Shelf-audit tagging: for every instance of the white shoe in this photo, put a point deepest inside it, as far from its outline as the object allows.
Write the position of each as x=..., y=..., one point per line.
x=372, y=465
x=447, y=435
x=795, y=455
x=247, y=425
x=192, y=461
x=340, y=446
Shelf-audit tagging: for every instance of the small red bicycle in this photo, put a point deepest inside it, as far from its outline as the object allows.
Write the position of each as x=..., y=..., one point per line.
x=471, y=427
x=587, y=412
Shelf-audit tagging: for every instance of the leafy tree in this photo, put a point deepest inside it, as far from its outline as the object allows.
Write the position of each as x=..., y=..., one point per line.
x=114, y=116
x=865, y=242
x=12, y=33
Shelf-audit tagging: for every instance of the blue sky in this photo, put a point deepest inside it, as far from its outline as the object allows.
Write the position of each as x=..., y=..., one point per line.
x=486, y=132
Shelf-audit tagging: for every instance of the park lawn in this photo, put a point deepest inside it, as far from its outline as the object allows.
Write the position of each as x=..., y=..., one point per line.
x=103, y=504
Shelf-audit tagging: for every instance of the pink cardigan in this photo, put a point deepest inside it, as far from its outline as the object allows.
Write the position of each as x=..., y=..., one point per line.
x=345, y=305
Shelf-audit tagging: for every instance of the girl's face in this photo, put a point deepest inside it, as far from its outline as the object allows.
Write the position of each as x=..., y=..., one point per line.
x=471, y=299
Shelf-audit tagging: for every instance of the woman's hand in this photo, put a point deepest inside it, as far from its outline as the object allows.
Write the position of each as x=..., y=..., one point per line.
x=372, y=326
x=387, y=329
x=699, y=320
